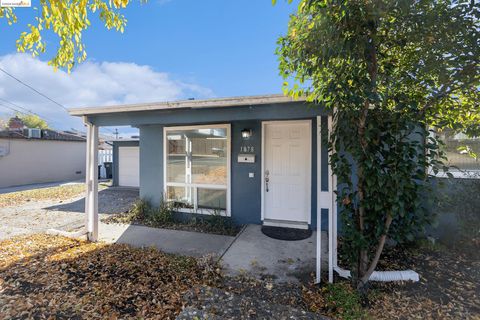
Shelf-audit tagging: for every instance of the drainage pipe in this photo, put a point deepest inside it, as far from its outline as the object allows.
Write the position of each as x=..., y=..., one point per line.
x=384, y=276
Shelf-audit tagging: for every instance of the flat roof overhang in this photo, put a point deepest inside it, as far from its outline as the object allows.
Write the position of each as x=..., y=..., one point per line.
x=189, y=112
x=186, y=104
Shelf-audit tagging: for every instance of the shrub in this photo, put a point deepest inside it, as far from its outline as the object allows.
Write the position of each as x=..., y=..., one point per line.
x=338, y=300
x=161, y=215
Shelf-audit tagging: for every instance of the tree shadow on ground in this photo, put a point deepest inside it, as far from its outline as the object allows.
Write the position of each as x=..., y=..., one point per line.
x=111, y=200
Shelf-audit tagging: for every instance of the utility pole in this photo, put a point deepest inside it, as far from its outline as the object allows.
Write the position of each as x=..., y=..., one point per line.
x=116, y=134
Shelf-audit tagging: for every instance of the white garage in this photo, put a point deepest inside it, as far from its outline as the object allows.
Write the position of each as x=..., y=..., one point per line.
x=129, y=166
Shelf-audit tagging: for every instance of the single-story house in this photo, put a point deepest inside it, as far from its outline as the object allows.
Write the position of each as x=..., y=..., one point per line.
x=256, y=159
x=30, y=156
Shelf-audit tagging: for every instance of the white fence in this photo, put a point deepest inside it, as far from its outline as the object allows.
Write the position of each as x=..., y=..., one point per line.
x=104, y=156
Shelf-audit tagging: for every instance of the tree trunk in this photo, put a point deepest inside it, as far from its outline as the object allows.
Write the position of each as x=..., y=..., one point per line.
x=362, y=254
x=372, y=69
x=381, y=243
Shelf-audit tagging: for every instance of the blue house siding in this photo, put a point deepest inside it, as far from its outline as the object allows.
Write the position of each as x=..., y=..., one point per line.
x=151, y=163
x=284, y=111
x=245, y=192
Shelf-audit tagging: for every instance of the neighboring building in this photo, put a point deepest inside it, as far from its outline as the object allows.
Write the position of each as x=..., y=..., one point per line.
x=15, y=123
x=30, y=156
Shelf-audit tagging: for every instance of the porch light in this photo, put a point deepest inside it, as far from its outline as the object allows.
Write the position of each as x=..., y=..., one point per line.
x=246, y=133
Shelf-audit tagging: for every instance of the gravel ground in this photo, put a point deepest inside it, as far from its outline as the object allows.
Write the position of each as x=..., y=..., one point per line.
x=39, y=216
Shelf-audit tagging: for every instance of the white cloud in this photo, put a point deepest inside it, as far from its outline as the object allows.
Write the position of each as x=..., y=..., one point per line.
x=90, y=84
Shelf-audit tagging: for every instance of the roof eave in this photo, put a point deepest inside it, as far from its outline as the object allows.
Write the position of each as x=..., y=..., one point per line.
x=186, y=104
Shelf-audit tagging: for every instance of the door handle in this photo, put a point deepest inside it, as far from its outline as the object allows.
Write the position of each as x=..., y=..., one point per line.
x=267, y=179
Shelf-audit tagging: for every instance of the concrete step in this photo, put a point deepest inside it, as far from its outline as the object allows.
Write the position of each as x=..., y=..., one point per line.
x=204, y=302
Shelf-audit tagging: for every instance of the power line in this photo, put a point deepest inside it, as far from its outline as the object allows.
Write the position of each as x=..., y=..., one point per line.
x=13, y=109
x=42, y=94
x=29, y=111
x=33, y=89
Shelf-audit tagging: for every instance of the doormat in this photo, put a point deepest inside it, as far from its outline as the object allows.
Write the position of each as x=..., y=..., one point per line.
x=288, y=234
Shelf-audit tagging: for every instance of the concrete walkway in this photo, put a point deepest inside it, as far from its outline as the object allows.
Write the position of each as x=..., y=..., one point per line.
x=251, y=252
x=258, y=255
x=188, y=243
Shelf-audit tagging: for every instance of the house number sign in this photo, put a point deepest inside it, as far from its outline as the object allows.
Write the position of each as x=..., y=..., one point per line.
x=247, y=149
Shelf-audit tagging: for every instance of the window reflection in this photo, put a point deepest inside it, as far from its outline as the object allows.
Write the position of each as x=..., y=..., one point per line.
x=196, y=159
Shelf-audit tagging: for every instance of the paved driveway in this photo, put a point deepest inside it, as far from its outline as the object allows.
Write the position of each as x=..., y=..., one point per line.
x=40, y=216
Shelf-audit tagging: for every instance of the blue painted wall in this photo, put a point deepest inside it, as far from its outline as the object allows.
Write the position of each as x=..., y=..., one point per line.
x=151, y=163
x=245, y=191
x=283, y=111
x=246, y=199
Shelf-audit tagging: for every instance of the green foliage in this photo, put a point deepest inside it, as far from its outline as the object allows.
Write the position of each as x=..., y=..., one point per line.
x=163, y=216
x=386, y=70
x=9, y=14
x=68, y=20
x=342, y=301
x=396, y=181
x=33, y=121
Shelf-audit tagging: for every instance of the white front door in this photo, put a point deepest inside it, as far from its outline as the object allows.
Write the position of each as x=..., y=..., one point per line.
x=287, y=171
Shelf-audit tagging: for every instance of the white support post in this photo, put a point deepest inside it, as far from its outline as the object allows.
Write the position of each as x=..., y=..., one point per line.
x=335, y=221
x=91, y=179
x=331, y=233
x=318, y=270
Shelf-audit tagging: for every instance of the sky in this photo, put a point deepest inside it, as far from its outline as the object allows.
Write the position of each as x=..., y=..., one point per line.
x=170, y=50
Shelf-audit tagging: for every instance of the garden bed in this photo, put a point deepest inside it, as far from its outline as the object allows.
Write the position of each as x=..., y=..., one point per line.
x=166, y=217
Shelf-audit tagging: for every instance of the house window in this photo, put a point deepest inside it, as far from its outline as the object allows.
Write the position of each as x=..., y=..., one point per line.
x=197, y=170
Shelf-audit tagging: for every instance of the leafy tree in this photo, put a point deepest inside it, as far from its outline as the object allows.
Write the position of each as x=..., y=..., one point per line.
x=68, y=20
x=33, y=121
x=388, y=71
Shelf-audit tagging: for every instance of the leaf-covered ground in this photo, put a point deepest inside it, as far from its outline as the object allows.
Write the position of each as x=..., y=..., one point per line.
x=64, y=192
x=47, y=277
x=55, y=277
x=449, y=287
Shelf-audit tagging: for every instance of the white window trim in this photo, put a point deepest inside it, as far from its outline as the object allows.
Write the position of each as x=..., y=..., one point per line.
x=225, y=126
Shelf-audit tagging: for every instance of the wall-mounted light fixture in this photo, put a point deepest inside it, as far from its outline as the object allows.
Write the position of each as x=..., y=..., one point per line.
x=246, y=133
